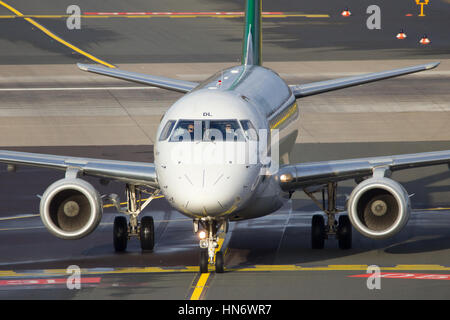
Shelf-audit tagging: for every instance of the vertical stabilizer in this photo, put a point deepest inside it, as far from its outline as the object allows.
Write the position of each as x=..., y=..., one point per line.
x=251, y=48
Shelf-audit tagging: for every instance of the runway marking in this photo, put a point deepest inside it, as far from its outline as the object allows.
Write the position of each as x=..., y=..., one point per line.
x=55, y=37
x=104, y=206
x=32, y=282
x=203, y=14
x=421, y=276
x=163, y=15
x=20, y=217
x=201, y=284
x=80, y=88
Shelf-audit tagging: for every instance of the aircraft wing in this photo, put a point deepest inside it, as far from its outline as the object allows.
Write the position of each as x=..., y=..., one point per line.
x=301, y=175
x=138, y=173
x=155, y=81
x=313, y=88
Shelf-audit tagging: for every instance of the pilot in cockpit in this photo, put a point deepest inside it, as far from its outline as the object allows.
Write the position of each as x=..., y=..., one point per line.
x=190, y=130
x=230, y=133
x=184, y=132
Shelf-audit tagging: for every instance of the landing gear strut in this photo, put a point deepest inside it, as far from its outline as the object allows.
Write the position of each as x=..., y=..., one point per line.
x=341, y=229
x=208, y=231
x=143, y=230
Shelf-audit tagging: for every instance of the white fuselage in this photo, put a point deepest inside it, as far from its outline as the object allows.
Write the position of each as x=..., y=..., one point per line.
x=226, y=178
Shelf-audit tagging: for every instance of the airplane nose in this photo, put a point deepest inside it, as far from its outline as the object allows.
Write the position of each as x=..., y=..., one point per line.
x=212, y=190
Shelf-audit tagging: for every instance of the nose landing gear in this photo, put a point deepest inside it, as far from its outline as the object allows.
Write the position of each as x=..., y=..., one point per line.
x=210, y=253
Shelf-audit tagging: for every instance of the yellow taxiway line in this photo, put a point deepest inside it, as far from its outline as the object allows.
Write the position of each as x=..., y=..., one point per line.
x=202, y=280
x=54, y=36
x=200, y=285
x=59, y=16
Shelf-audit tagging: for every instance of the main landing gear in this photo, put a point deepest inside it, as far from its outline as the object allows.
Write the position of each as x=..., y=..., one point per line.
x=144, y=229
x=207, y=231
x=341, y=229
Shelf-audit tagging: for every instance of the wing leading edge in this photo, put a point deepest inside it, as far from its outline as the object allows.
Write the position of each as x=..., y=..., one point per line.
x=138, y=173
x=313, y=88
x=298, y=176
x=155, y=81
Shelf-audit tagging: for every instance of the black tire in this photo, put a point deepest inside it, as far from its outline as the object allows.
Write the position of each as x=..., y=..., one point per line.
x=120, y=234
x=317, y=232
x=344, y=233
x=203, y=261
x=147, y=233
x=219, y=262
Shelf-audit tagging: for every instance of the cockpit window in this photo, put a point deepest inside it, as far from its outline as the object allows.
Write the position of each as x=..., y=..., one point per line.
x=249, y=130
x=184, y=131
x=167, y=130
x=208, y=130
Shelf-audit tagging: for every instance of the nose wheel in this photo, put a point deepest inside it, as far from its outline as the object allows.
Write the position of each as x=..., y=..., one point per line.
x=219, y=262
x=204, y=261
x=209, y=255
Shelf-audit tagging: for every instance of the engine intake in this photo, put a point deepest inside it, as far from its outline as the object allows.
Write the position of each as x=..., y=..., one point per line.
x=379, y=207
x=71, y=208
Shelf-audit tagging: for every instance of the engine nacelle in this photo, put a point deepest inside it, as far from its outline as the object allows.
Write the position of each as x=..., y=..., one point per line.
x=71, y=208
x=379, y=207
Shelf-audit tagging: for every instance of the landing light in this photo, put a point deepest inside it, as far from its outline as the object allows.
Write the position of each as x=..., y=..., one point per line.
x=202, y=235
x=286, y=177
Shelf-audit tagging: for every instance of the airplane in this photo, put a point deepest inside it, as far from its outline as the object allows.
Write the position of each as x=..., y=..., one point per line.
x=249, y=105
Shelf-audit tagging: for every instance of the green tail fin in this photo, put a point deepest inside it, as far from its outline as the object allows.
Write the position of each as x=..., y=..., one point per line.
x=251, y=48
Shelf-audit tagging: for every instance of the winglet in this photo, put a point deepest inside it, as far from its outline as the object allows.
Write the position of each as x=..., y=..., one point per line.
x=432, y=65
x=82, y=66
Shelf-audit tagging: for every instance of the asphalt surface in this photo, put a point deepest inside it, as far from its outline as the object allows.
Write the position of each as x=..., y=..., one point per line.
x=267, y=258
x=145, y=40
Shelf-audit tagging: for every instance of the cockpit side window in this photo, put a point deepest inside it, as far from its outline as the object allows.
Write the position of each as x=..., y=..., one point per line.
x=249, y=130
x=167, y=130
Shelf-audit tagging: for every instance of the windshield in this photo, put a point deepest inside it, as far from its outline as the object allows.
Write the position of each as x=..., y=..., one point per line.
x=207, y=130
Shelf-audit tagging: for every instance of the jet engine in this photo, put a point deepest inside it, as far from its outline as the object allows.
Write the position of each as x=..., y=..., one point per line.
x=379, y=207
x=71, y=208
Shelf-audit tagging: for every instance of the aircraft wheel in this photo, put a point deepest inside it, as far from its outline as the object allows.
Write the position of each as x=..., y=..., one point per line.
x=219, y=262
x=120, y=234
x=203, y=261
x=147, y=233
x=344, y=232
x=318, y=232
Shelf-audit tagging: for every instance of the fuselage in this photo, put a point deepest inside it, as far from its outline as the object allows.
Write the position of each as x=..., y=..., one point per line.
x=218, y=146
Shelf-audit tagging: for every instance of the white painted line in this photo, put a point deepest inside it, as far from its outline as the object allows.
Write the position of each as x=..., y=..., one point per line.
x=76, y=89
x=19, y=217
